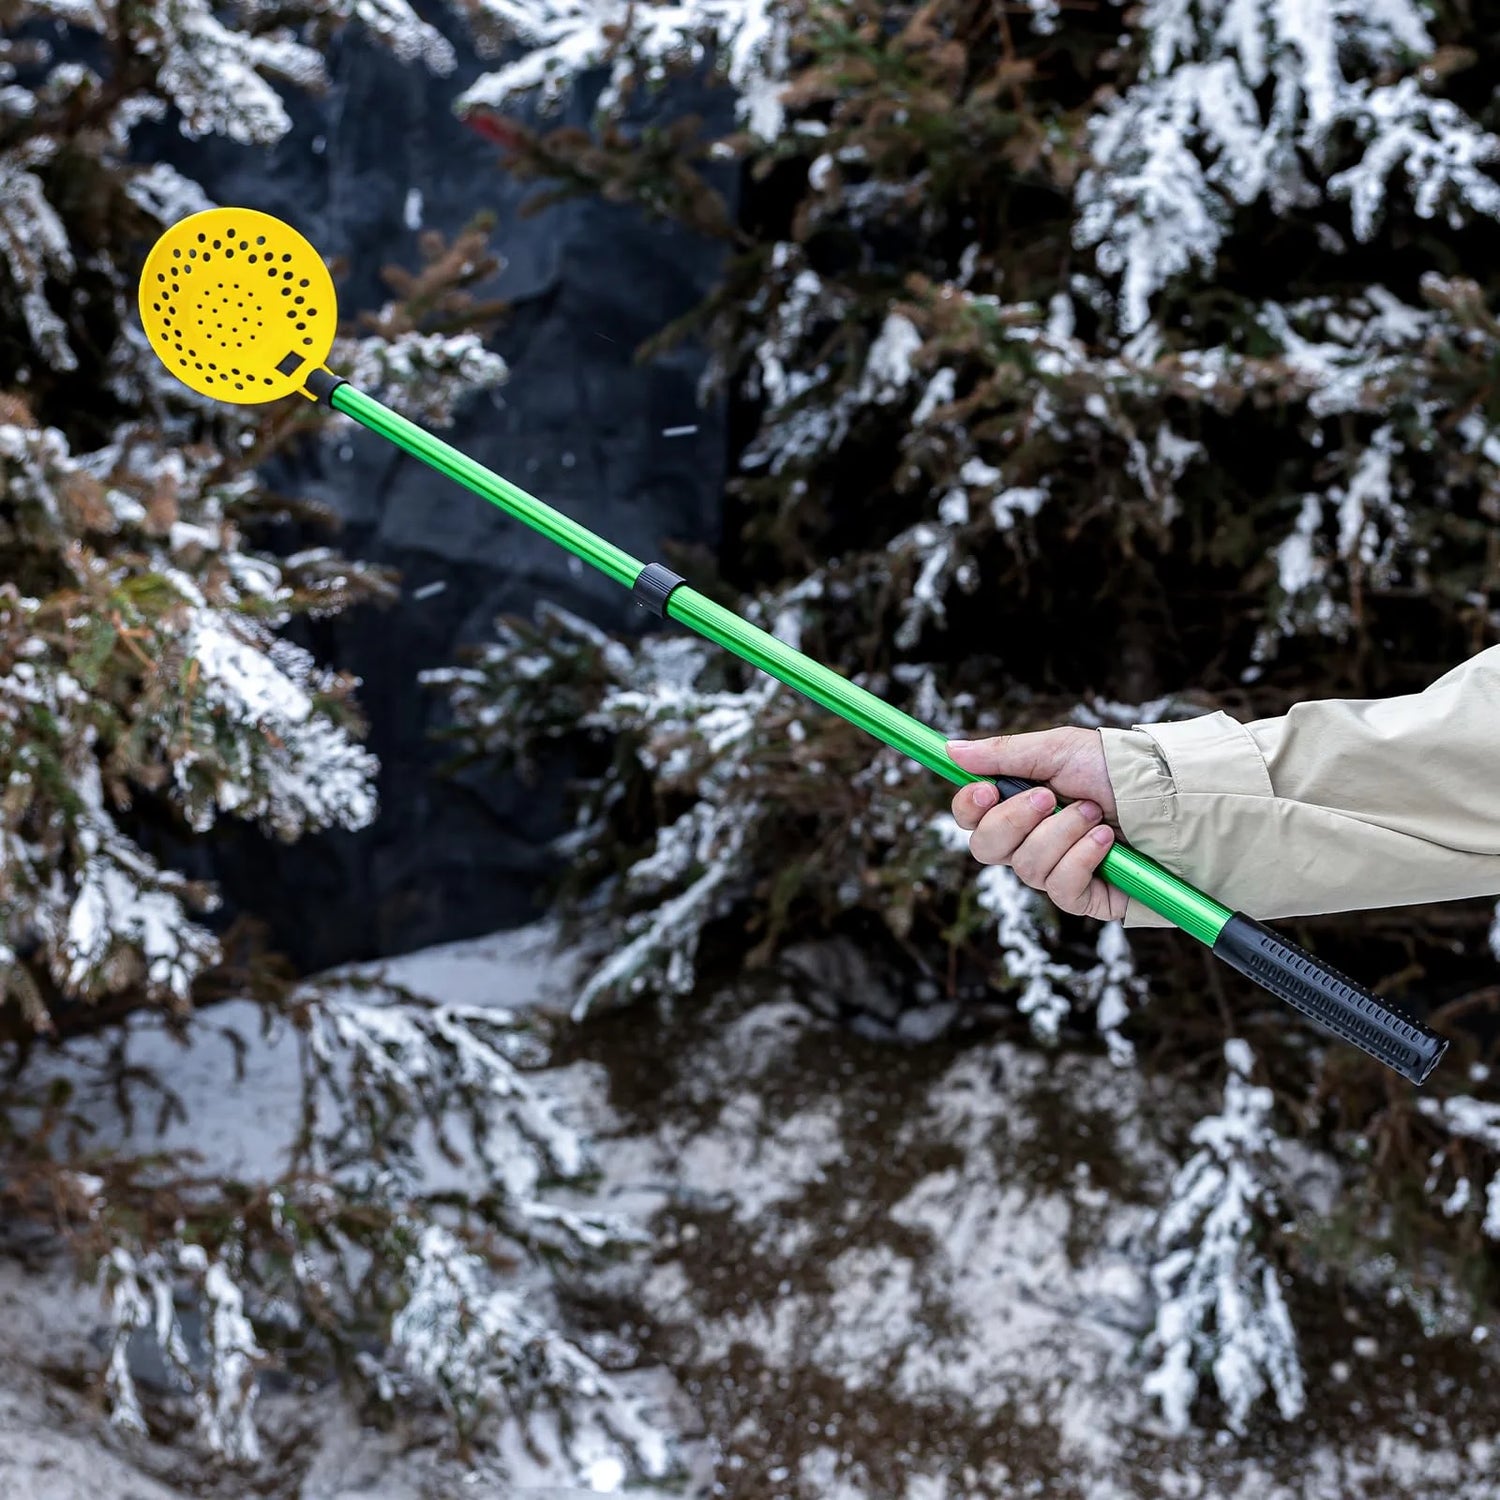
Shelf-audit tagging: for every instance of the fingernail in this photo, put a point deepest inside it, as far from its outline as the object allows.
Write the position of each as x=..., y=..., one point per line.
x=959, y=744
x=985, y=795
x=1102, y=835
x=1042, y=797
x=1090, y=811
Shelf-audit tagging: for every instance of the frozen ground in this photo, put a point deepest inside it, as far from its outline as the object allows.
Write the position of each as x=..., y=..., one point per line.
x=876, y=1273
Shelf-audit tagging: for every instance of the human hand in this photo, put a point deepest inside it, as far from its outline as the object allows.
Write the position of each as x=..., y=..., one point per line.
x=1052, y=852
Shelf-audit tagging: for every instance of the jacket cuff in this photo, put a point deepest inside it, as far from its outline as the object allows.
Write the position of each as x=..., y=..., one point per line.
x=1151, y=766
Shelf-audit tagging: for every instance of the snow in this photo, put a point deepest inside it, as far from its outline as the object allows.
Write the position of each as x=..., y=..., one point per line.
x=122, y=911
x=299, y=770
x=1191, y=139
x=1018, y=500
x=605, y=1475
x=53, y=1449
x=1220, y=1306
x=888, y=367
x=1437, y=147
x=411, y=211
x=933, y=550
x=213, y=73
x=940, y=391
x=878, y=1229
x=421, y=375
x=166, y=194
x=1368, y=499
x=397, y=27
x=34, y=245
x=1046, y=16
x=449, y=1028
x=463, y=1337
x=141, y=1296
x=1475, y=1120
x=804, y=296
x=111, y=910
x=746, y=39
x=245, y=677
x=1017, y=906
x=1111, y=985
x=1297, y=566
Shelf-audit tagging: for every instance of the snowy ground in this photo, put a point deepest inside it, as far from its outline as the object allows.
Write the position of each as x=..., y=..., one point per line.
x=876, y=1272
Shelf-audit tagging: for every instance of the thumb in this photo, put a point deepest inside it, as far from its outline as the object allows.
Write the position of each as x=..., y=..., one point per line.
x=1038, y=755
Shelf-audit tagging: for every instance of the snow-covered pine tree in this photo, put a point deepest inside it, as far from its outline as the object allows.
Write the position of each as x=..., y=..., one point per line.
x=140, y=622
x=1220, y=1310
x=1087, y=377
x=963, y=429
x=404, y=1234
x=143, y=669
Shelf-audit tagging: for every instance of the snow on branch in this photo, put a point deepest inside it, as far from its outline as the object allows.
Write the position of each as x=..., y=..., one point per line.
x=166, y=194
x=1433, y=143
x=691, y=736
x=1372, y=536
x=1027, y=962
x=1471, y=1120
x=746, y=40
x=133, y=676
x=1111, y=985
x=397, y=27
x=412, y=1059
x=263, y=749
x=385, y=1061
x=698, y=740
x=213, y=72
x=124, y=915
x=141, y=1294
x=33, y=246
x=421, y=375
x=1220, y=1308
x=104, y=912
x=1191, y=139
x=486, y=1351
x=86, y=13
x=396, y=1212
x=1148, y=203
x=264, y=732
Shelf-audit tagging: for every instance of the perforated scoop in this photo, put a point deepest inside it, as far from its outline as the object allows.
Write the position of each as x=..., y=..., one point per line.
x=238, y=305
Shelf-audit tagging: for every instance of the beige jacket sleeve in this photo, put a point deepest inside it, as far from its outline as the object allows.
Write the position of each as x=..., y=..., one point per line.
x=1340, y=805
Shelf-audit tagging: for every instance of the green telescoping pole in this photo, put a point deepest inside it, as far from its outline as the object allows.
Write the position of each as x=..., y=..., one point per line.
x=1293, y=975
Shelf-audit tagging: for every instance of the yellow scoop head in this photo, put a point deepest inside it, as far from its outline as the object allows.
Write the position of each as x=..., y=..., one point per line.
x=238, y=305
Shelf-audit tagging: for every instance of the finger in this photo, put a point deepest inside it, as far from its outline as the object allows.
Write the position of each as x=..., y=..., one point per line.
x=1074, y=885
x=1035, y=860
x=1035, y=755
x=972, y=803
x=1002, y=830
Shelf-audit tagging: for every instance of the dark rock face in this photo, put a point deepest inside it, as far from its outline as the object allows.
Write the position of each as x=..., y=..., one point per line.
x=578, y=424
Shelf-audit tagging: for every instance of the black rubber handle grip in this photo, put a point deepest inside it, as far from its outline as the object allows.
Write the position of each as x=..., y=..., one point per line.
x=1333, y=1001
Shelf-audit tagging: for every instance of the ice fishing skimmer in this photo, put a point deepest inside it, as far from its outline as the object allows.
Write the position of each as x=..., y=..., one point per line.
x=240, y=307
